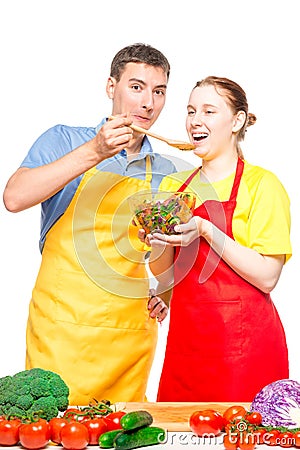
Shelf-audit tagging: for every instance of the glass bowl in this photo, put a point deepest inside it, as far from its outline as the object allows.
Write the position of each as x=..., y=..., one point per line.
x=161, y=211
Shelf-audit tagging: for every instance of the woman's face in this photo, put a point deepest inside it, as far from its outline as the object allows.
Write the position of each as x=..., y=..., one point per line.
x=210, y=123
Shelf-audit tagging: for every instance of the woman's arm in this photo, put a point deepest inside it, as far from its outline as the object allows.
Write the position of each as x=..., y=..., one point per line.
x=161, y=265
x=263, y=271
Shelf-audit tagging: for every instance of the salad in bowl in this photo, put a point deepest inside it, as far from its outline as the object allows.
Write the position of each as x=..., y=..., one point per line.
x=161, y=211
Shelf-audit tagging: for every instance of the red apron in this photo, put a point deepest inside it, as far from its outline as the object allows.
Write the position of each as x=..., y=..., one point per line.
x=225, y=339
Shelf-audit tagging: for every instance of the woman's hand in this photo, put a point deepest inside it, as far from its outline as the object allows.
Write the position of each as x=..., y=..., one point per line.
x=157, y=307
x=188, y=232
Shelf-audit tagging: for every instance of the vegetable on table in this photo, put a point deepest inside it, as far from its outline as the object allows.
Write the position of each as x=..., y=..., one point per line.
x=95, y=427
x=74, y=436
x=141, y=437
x=234, y=412
x=55, y=426
x=93, y=410
x=136, y=432
x=34, y=435
x=9, y=431
x=113, y=420
x=106, y=440
x=31, y=392
x=206, y=422
x=136, y=419
x=279, y=404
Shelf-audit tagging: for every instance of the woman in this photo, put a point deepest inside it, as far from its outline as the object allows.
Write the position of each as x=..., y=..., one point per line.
x=225, y=339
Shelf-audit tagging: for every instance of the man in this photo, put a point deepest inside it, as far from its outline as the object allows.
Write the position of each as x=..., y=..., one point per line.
x=90, y=316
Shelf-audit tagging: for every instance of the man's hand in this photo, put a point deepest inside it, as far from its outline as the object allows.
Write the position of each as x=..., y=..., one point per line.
x=113, y=136
x=157, y=306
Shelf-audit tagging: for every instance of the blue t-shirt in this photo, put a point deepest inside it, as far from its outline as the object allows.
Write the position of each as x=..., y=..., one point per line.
x=60, y=140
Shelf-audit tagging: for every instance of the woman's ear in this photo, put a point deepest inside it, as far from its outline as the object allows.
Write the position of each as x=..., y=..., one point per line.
x=239, y=121
x=110, y=87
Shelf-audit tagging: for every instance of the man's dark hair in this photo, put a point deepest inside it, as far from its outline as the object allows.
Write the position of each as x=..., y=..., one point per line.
x=138, y=53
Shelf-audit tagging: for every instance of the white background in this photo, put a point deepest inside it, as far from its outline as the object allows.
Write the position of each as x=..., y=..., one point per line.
x=55, y=59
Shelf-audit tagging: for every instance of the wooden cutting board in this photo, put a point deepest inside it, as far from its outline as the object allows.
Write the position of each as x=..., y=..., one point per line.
x=174, y=416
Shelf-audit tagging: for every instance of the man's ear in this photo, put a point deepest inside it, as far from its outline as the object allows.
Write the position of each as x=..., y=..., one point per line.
x=110, y=87
x=239, y=121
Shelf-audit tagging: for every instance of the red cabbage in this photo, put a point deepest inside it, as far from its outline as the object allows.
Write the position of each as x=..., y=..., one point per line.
x=279, y=404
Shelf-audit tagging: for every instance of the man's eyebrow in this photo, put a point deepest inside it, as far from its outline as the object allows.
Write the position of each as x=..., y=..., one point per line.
x=137, y=80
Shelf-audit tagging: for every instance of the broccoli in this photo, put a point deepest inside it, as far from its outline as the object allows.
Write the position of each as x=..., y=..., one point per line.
x=33, y=392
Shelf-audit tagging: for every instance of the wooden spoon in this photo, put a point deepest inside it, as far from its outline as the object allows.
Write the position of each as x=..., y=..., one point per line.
x=177, y=144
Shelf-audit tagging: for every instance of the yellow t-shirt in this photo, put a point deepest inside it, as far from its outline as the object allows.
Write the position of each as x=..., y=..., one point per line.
x=261, y=219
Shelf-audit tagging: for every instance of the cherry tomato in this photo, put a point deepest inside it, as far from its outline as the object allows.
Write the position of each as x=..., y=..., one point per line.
x=95, y=427
x=297, y=438
x=246, y=441
x=9, y=431
x=207, y=421
x=74, y=414
x=272, y=437
x=254, y=417
x=234, y=412
x=286, y=439
x=113, y=420
x=230, y=441
x=55, y=426
x=260, y=435
x=74, y=435
x=34, y=435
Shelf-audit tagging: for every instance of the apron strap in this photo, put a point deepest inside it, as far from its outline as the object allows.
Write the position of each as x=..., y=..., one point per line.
x=237, y=179
x=188, y=180
x=148, y=176
x=236, y=183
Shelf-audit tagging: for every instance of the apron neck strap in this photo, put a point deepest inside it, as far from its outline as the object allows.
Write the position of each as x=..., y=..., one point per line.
x=148, y=176
x=188, y=180
x=236, y=183
x=237, y=179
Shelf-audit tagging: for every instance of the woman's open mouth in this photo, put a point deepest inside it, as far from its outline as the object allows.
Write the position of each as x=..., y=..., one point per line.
x=197, y=137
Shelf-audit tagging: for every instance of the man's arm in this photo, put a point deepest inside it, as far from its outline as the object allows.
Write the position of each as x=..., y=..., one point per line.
x=30, y=186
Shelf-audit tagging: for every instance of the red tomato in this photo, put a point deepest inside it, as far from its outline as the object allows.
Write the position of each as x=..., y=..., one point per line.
x=113, y=420
x=34, y=435
x=272, y=437
x=207, y=421
x=55, y=426
x=74, y=435
x=234, y=412
x=254, y=417
x=260, y=435
x=297, y=438
x=9, y=431
x=95, y=427
x=286, y=439
x=246, y=441
x=230, y=441
x=74, y=414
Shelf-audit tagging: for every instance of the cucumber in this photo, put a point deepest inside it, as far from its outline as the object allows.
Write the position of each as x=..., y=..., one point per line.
x=136, y=419
x=106, y=440
x=139, y=438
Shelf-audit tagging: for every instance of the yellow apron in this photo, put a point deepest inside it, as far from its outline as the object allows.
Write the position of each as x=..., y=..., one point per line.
x=88, y=317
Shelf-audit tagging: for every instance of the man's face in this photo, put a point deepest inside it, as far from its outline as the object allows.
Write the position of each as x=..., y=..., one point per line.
x=141, y=92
